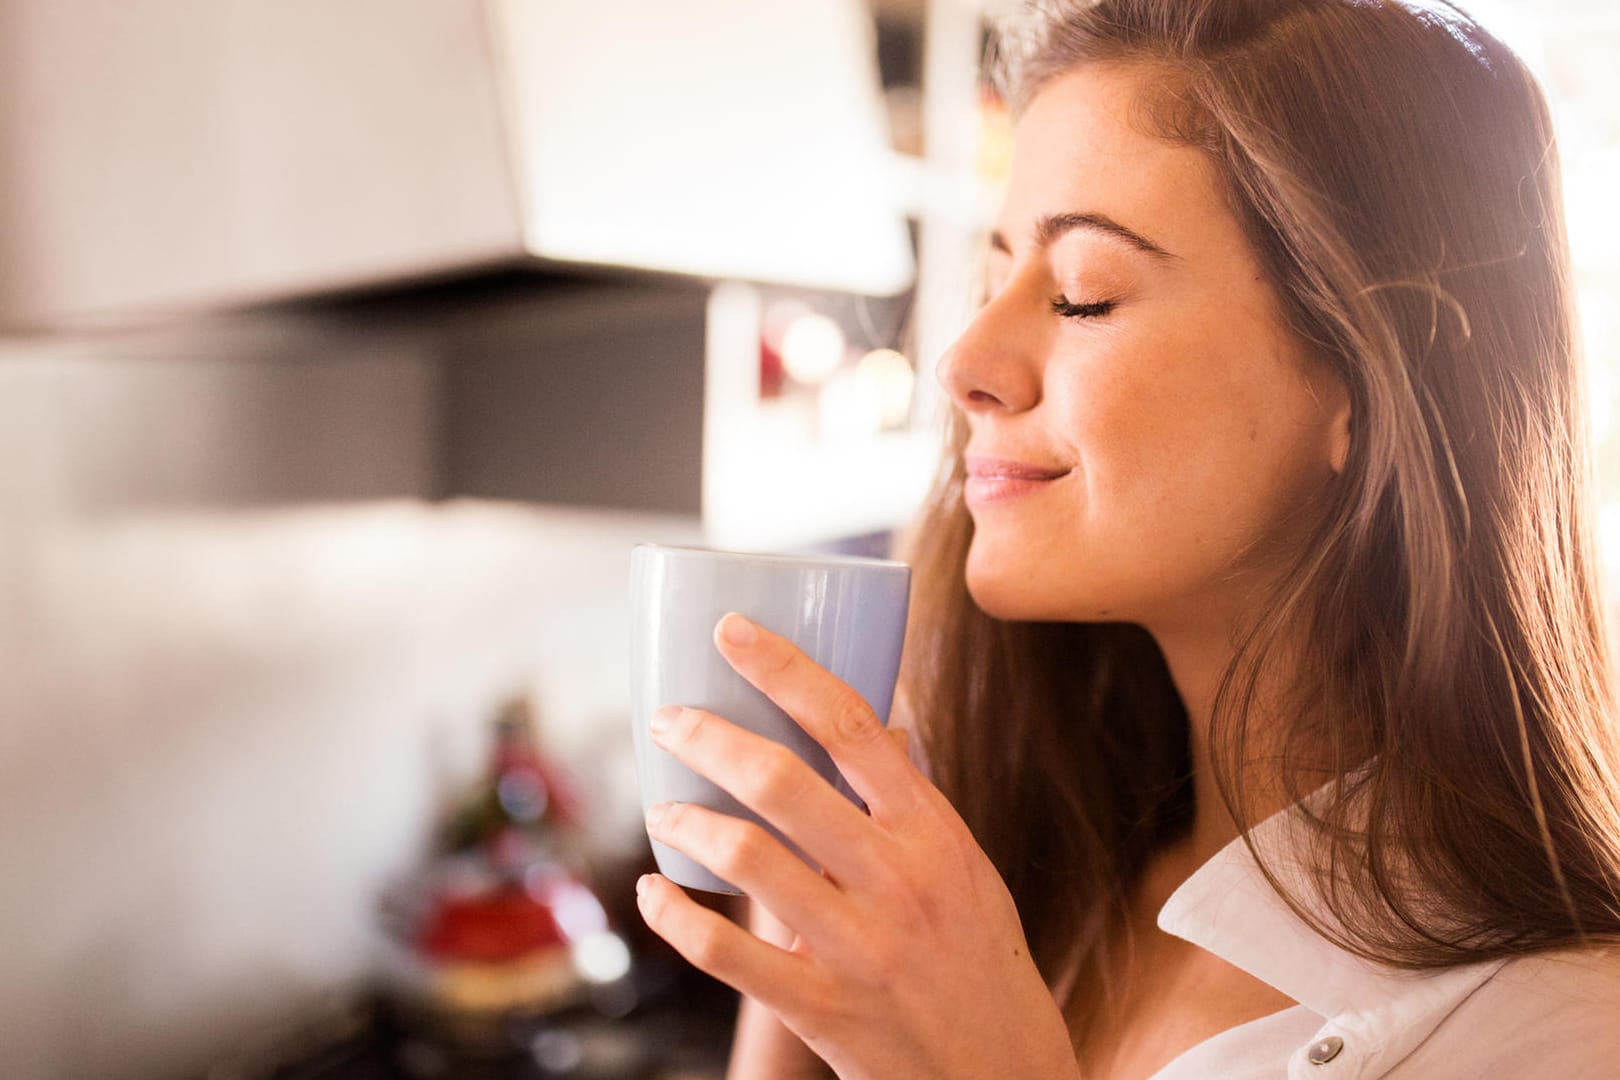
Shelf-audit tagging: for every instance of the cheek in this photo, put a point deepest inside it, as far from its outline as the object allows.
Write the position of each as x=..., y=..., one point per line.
x=1189, y=454
x=1141, y=419
x=1192, y=446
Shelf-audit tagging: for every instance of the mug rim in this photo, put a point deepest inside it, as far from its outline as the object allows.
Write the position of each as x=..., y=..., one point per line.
x=758, y=556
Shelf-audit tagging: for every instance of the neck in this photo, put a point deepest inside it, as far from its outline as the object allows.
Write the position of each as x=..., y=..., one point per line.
x=1197, y=659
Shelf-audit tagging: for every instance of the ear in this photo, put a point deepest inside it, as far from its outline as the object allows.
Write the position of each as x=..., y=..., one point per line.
x=1337, y=401
x=1332, y=397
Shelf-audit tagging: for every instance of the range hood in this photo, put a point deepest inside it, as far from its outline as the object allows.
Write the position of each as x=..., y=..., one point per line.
x=179, y=154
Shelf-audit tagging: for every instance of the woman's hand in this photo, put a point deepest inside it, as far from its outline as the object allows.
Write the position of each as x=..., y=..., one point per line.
x=910, y=960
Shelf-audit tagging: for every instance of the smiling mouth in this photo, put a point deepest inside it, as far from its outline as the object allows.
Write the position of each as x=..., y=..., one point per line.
x=992, y=480
x=1014, y=472
x=991, y=468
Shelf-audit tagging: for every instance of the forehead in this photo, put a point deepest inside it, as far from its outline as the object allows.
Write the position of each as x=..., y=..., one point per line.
x=1082, y=145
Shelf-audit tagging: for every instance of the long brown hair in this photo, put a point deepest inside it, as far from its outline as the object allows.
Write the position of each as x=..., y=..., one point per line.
x=1394, y=168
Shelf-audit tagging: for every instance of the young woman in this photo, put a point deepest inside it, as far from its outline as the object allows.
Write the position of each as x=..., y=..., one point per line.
x=1256, y=655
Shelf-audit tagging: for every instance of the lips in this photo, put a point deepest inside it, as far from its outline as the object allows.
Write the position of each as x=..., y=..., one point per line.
x=995, y=480
x=990, y=468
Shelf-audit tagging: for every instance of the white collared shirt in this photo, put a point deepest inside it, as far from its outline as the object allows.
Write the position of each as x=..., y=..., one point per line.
x=1551, y=1015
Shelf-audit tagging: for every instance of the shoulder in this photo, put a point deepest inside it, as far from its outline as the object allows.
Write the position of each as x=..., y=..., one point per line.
x=1549, y=1014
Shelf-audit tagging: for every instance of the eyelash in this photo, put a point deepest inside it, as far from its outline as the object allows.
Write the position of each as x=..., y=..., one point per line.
x=1061, y=305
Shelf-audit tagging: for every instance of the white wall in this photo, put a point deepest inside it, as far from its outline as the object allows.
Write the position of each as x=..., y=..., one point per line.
x=222, y=731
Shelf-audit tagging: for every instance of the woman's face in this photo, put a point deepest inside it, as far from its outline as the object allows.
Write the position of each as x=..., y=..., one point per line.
x=1132, y=357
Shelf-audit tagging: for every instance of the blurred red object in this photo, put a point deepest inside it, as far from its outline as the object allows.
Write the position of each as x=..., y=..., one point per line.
x=772, y=374
x=501, y=925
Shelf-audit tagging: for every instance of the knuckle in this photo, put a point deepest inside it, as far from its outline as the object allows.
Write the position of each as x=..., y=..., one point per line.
x=784, y=661
x=776, y=669
x=779, y=779
x=706, y=947
x=693, y=723
x=744, y=853
x=853, y=719
x=675, y=820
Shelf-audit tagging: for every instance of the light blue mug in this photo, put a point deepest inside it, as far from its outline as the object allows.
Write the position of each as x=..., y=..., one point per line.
x=847, y=614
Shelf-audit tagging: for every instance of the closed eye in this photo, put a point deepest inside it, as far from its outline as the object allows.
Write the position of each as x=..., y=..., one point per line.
x=1061, y=305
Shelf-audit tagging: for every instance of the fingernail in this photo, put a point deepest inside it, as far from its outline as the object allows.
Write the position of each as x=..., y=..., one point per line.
x=663, y=718
x=643, y=883
x=655, y=814
x=738, y=630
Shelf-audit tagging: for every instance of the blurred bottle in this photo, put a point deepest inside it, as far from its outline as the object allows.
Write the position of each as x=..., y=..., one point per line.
x=502, y=930
x=526, y=809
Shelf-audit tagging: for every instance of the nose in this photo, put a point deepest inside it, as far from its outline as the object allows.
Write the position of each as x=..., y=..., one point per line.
x=991, y=367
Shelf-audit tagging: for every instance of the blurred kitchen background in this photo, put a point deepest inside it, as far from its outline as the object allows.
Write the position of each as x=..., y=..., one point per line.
x=346, y=347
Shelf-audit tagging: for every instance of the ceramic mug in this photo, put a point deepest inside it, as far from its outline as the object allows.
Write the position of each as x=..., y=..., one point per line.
x=847, y=614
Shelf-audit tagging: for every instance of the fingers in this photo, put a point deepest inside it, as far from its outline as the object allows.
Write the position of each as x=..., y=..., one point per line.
x=754, y=861
x=901, y=737
x=830, y=711
x=713, y=943
x=776, y=784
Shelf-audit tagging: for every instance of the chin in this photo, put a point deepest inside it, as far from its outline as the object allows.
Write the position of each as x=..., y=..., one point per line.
x=995, y=603
x=1018, y=593
x=1014, y=597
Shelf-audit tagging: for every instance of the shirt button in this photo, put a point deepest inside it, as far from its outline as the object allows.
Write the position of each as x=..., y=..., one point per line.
x=1325, y=1051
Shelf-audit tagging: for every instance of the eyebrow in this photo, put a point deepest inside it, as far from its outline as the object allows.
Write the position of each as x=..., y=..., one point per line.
x=1052, y=226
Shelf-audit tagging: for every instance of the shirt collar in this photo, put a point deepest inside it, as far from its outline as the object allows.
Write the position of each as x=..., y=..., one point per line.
x=1229, y=908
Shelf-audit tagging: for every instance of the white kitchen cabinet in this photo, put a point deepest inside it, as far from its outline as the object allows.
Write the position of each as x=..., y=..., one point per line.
x=178, y=154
